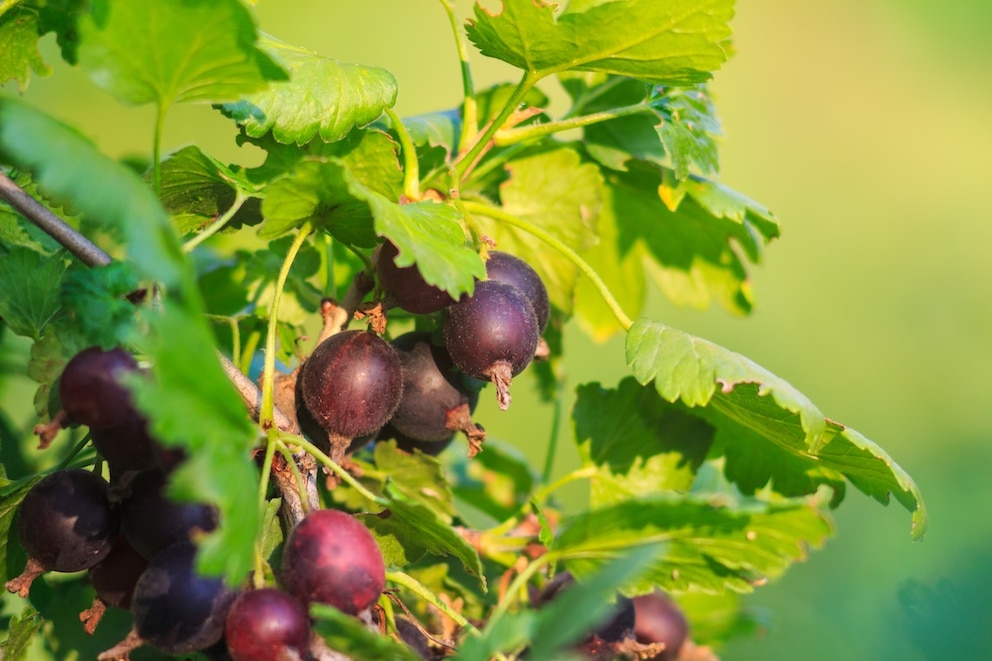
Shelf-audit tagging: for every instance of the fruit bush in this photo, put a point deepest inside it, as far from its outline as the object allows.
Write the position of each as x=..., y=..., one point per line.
x=257, y=385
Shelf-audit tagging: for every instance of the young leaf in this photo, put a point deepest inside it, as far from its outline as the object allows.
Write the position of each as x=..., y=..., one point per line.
x=556, y=192
x=174, y=51
x=639, y=443
x=19, y=54
x=703, y=547
x=688, y=368
x=348, y=635
x=671, y=43
x=21, y=632
x=323, y=97
x=688, y=129
x=29, y=284
x=191, y=405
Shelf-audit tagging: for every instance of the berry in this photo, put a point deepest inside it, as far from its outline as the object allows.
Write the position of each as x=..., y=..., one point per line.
x=504, y=267
x=434, y=403
x=267, y=624
x=113, y=579
x=115, y=576
x=658, y=619
x=407, y=286
x=152, y=521
x=331, y=558
x=492, y=335
x=66, y=523
x=175, y=609
x=127, y=446
x=351, y=385
x=90, y=387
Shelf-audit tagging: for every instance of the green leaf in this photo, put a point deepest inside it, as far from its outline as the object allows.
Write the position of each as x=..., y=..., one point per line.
x=431, y=533
x=187, y=384
x=620, y=266
x=29, y=290
x=688, y=129
x=639, y=443
x=97, y=301
x=673, y=43
x=11, y=495
x=348, y=635
x=505, y=634
x=703, y=546
x=61, y=17
x=173, y=51
x=688, y=368
x=694, y=244
x=68, y=169
x=196, y=188
x=19, y=54
x=417, y=476
x=322, y=97
x=319, y=189
x=497, y=481
x=22, y=631
x=258, y=275
x=556, y=192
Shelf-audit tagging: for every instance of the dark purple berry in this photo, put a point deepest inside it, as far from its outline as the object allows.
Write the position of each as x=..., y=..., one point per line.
x=658, y=619
x=331, y=558
x=492, y=335
x=115, y=576
x=351, y=385
x=266, y=625
x=66, y=523
x=152, y=521
x=127, y=446
x=434, y=404
x=176, y=609
x=91, y=390
x=407, y=286
x=504, y=267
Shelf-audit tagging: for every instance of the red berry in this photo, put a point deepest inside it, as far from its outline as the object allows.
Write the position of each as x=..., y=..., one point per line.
x=331, y=558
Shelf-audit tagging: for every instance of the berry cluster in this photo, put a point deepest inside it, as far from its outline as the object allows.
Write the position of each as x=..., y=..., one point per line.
x=421, y=388
x=137, y=543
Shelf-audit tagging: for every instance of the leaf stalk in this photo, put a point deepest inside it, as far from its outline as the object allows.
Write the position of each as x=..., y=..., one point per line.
x=266, y=414
x=411, y=169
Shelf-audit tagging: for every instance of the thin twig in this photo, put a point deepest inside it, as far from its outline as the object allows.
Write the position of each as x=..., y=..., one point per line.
x=82, y=248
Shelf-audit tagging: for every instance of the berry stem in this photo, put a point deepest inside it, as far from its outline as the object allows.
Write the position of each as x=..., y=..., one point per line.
x=239, y=199
x=411, y=169
x=160, y=109
x=413, y=585
x=604, y=291
x=470, y=111
x=266, y=414
x=341, y=473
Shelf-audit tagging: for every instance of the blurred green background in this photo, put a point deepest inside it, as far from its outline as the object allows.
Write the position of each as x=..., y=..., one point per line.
x=865, y=126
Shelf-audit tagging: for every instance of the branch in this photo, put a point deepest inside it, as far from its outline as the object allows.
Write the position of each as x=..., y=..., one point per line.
x=77, y=244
